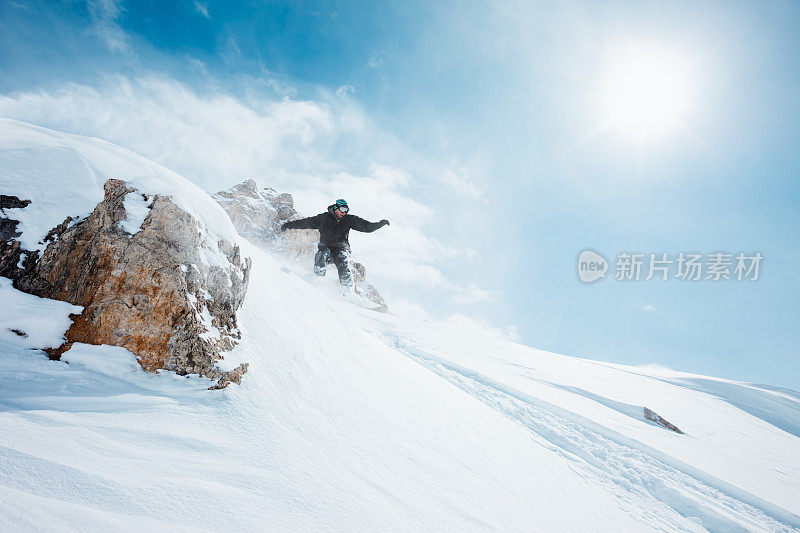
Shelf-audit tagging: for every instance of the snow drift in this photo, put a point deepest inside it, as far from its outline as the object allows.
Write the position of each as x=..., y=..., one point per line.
x=353, y=420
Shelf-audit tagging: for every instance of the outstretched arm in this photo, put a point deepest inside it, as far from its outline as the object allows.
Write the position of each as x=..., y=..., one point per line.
x=303, y=223
x=359, y=224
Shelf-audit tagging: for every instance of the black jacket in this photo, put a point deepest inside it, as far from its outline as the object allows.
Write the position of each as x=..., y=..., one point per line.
x=331, y=229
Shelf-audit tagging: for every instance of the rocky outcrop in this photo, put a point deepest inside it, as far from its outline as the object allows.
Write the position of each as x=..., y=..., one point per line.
x=231, y=376
x=257, y=215
x=147, y=278
x=654, y=417
x=11, y=254
x=369, y=292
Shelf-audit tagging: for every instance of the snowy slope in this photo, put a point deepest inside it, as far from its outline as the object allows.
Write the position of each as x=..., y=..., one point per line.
x=63, y=175
x=351, y=420
x=739, y=455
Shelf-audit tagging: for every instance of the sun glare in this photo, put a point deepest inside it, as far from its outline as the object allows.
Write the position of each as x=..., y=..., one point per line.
x=646, y=93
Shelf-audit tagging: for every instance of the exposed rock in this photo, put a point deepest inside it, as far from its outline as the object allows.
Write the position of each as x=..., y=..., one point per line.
x=10, y=251
x=258, y=214
x=651, y=415
x=359, y=272
x=161, y=292
x=8, y=227
x=231, y=376
x=372, y=294
x=12, y=202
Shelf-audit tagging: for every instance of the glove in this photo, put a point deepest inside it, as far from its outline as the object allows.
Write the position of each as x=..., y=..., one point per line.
x=384, y=222
x=283, y=226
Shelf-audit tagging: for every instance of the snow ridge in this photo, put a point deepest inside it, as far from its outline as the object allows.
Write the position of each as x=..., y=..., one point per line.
x=639, y=473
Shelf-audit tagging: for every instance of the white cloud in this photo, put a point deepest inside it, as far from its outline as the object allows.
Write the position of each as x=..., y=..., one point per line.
x=345, y=90
x=378, y=60
x=215, y=140
x=375, y=60
x=104, y=15
x=648, y=308
x=231, y=53
x=202, y=9
x=458, y=179
x=18, y=5
x=197, y=65
x=318, y=150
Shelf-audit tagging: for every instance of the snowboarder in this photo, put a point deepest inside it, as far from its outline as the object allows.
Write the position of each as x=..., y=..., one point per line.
x=334, y=227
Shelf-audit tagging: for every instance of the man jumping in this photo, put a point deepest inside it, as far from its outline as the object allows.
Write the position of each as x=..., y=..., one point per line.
x=334, y=227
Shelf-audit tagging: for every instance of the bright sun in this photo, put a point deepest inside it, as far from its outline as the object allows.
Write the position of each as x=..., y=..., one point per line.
x=646, y=93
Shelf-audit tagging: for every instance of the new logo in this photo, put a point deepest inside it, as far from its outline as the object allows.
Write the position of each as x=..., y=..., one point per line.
x=591, y=266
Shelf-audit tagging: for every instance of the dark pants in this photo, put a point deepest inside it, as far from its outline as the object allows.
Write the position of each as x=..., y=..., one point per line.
x=338, y=254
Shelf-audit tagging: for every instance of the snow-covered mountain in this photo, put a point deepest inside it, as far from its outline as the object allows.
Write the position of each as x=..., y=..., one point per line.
x=354, y=420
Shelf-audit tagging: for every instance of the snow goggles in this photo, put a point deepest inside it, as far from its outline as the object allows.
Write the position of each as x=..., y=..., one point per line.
x=343, y=208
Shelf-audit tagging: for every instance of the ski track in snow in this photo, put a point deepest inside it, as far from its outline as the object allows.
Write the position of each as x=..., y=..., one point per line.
x=627, y=471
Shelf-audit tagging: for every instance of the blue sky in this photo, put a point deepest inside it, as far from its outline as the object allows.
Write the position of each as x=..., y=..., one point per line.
x=478, y=128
